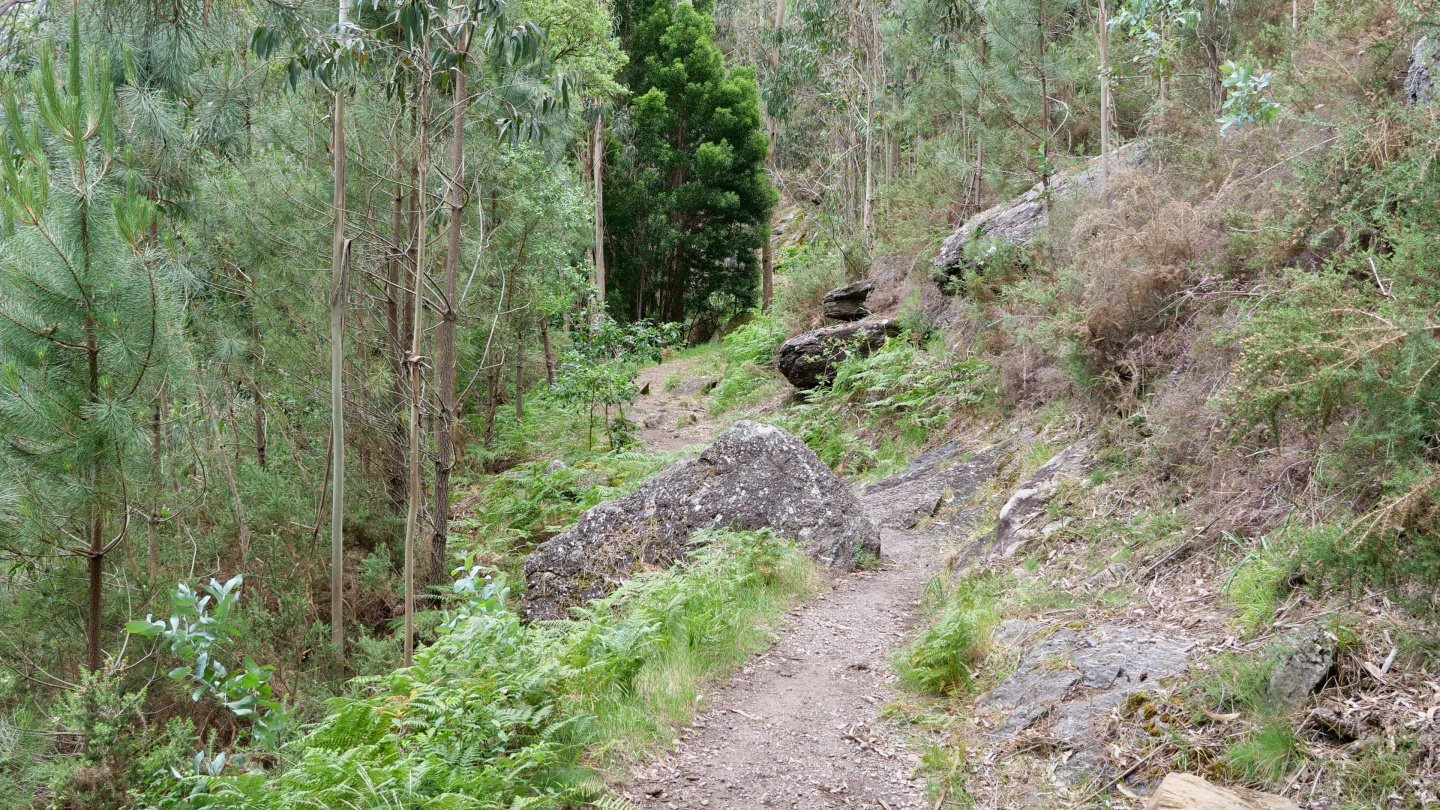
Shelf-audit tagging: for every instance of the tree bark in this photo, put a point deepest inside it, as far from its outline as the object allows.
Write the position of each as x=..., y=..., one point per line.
x=549, y=354
x=1103, y=35
x=413, y=360
x=446, y=373
x=519, y=376
x=396, y=316
x=337, y=392
x=597, y=166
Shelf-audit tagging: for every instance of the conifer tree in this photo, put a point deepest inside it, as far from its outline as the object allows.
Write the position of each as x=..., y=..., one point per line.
x=688, y=208
x=84, y=322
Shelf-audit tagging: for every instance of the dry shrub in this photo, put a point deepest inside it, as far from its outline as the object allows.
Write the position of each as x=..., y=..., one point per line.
x=1136, y=255
x=1186, y=426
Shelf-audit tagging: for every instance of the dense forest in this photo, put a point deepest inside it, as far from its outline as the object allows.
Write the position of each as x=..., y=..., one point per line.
x=333, y=332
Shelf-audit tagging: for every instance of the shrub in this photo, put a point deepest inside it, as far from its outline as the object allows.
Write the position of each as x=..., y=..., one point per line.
x=498, y=712
x=945, y=658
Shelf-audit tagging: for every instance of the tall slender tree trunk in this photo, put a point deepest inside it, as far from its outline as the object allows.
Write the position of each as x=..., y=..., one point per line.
x=446, y=371
x=772, y=129
x=519, y=376
x=412, y=517
x=337, y=368
x=257, y=394
x=549, y=353
x=95, y=553
x=157, y=484
x=597, y=166
x=396, y=317
x=1102, y=34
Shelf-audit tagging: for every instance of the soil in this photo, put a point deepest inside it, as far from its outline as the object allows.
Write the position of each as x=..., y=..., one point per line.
x=800, y=725
x=679, y=420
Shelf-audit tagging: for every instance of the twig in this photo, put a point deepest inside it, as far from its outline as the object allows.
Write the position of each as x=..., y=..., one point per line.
x=745, y=714
x=1378, y=282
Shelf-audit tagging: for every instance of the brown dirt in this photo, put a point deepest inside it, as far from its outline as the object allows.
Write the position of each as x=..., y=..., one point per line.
x=673, y=408
x=801, y=726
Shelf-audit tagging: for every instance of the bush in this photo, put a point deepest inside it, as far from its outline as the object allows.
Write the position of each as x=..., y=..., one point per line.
x=944, y=660
x=499, y=712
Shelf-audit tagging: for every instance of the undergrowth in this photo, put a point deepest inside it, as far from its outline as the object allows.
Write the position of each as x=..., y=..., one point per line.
x=944, y=660
x=898, y=396
x=501, y=714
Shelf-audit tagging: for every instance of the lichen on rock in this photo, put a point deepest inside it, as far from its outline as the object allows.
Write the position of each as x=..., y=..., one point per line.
x=754, y=476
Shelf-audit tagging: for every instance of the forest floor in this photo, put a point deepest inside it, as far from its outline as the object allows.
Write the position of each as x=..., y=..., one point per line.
x=1145, y=630
x=671, y=413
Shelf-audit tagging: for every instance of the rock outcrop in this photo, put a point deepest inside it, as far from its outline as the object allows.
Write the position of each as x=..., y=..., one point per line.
x=1072, y=680
x=905, y=499
x=754, y=476
x=1303, y=660
x=1017, y=221
x=809, y=359
x=1185, y=791
x=848, y=303
x=696, y=386
x=1424, y=67
x=1024, y=508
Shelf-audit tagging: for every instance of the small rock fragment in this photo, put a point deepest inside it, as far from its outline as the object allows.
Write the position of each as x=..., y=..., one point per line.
x=1303, y=661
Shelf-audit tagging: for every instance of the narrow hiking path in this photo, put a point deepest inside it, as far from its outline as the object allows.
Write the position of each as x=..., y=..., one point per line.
x=800, y=725
x=669, y=420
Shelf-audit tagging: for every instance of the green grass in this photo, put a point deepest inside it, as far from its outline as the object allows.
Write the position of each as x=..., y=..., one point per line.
x=703, y=622
x=1266, y=756
x=1255, y=586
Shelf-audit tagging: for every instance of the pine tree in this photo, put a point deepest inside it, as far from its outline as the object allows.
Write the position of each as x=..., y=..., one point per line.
x=84, y=322
x=688, y=208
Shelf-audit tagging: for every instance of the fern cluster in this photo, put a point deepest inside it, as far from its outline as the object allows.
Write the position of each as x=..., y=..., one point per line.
x=498, y=713
x=912, y=390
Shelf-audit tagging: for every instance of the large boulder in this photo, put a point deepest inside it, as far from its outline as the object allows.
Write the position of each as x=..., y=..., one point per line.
x=848, y=303
x=1424, y=67
x=1016, y=222
x=754, y=476
x=809, y=359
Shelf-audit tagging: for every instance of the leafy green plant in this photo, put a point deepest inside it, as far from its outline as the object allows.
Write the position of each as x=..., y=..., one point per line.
x=1156, y=24
x=499, y=712
x=909, y=390
x=598, y=369
x=201, y=632
x=1246, y=103
x=945, y=658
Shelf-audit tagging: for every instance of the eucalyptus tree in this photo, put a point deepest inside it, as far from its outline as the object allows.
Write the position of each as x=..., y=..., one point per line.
x=86, y=320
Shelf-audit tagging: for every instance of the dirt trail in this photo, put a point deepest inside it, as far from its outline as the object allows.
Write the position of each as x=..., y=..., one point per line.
x=671, y=420
x=800, y=725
